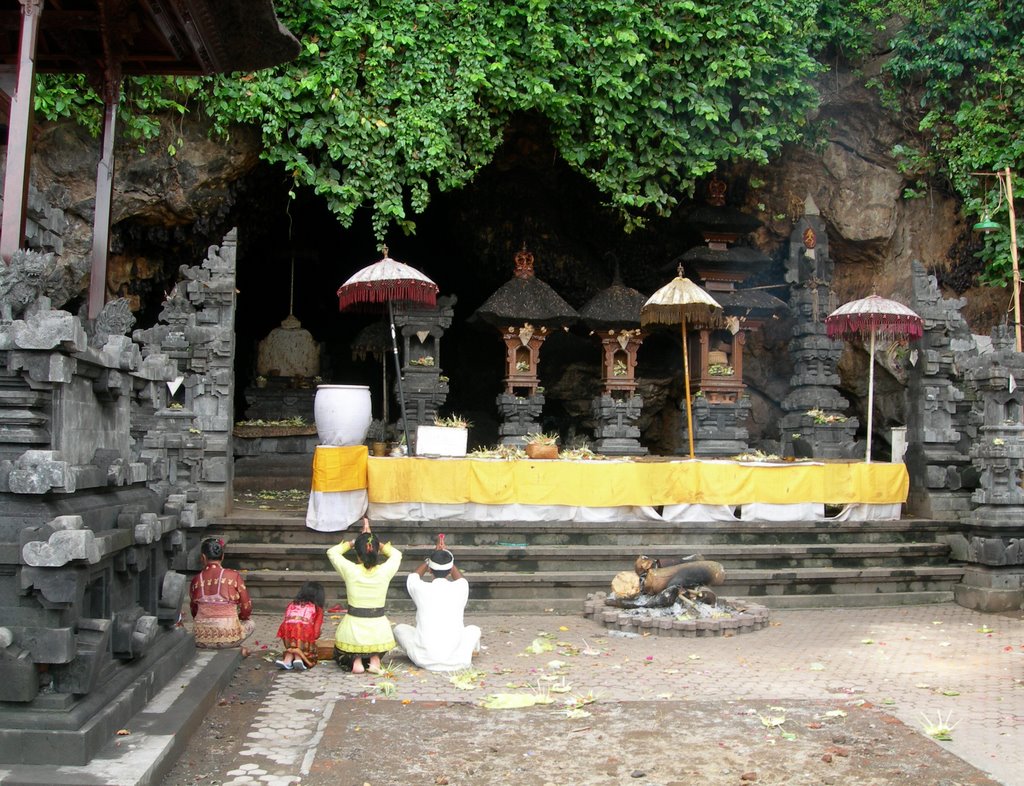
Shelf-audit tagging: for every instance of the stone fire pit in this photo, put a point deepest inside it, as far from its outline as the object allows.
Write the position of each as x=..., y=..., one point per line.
x=727, y=617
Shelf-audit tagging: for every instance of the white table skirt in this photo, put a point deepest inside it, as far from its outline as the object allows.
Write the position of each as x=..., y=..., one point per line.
x=334, y=511
x=811, y=511
x=472, y=511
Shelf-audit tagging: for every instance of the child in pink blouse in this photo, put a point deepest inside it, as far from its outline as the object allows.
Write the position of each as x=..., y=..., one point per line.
x=301, y=628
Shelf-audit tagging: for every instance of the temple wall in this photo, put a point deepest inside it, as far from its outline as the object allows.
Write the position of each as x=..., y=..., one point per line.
x=106, y=480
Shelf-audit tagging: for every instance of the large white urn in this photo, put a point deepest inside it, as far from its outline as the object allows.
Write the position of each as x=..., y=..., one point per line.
x=342, y=414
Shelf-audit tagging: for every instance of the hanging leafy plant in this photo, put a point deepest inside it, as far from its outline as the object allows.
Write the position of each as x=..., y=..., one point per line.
x=390, y=101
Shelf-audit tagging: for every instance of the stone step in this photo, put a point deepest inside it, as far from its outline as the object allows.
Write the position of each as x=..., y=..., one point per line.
x=275, y=526
x=613, y=557
x=402, y=608
x=526, y=567
x=798, y=588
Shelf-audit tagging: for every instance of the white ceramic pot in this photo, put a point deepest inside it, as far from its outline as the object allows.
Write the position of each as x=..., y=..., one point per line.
x=342, y=414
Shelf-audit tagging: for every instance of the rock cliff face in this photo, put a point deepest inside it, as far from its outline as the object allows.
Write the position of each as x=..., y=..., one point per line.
x=292, y=254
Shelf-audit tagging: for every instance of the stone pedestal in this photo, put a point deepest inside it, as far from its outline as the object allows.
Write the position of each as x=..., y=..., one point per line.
x=718, y=429
x=281, y=398
x=616, y=431
x=425, y=393
x=424, y=387
x=520, y=416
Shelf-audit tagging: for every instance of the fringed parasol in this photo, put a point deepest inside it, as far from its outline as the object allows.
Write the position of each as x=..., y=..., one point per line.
x=382, y=283
x=870, y=316
x=682, y=302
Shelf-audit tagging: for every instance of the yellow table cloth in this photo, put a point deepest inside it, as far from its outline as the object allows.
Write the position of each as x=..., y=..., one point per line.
x=618, y=483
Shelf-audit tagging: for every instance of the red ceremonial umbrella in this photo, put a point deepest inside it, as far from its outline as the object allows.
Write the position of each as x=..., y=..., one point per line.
x=382, y=283
x=873, y=315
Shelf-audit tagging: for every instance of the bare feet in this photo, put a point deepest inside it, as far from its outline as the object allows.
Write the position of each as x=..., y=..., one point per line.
x=357, y=666
x=246, y=652
x=375, y=666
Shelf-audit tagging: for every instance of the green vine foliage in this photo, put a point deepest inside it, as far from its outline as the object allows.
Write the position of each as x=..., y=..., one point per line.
x=956, y=73
x=390, y=100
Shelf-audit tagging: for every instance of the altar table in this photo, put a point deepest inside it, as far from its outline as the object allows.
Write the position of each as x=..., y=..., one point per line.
x=610, y=490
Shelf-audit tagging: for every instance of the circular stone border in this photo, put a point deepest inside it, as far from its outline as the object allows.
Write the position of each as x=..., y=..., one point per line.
x=750, y=617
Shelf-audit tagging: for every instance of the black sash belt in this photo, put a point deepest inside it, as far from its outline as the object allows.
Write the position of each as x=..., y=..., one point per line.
x=379, y=612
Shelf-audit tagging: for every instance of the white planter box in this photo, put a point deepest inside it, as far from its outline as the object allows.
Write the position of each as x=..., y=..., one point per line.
x=441, y=441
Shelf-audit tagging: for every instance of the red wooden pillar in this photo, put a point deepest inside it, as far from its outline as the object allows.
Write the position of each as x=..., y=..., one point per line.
x=19, y=133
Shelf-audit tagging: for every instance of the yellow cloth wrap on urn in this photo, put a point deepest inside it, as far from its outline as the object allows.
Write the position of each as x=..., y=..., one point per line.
x=339, y=468
x=615, y=483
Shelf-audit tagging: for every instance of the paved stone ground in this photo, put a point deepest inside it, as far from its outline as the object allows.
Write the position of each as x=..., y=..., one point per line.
x=852, y=687
x=938, y=662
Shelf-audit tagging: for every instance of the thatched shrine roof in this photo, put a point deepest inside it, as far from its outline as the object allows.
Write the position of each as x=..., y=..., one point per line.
x=618, y=306
x=712, y=219
x=721, y=258
x=525, y=298
x=754, y=304
x=374, y=340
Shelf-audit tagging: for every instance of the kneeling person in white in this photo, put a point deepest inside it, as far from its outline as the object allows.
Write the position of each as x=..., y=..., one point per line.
x=439, y=641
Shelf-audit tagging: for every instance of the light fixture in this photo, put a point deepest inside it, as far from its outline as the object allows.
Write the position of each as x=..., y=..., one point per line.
x=986, y=225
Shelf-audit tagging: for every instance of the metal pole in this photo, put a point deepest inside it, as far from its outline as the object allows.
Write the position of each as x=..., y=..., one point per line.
x=398, y=372
x=1013, y=255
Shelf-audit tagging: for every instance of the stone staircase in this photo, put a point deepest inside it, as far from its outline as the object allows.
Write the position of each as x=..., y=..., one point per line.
x=520, y=567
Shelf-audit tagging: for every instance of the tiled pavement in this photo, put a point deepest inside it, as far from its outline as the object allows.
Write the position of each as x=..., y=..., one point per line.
x=918, y=661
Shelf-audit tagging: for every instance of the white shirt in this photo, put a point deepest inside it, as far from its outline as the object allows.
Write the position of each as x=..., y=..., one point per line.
x=440, y=641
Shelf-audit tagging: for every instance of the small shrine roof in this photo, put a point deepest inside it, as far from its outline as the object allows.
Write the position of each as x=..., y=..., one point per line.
x=525, y=298
x=728, y=220
x=522, y=300
x=751, y=304
x=738, y=255
x=374, y=339
x=616, y=306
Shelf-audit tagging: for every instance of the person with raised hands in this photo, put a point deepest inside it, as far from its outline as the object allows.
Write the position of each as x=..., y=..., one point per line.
x=440, y=641
x=364, y=632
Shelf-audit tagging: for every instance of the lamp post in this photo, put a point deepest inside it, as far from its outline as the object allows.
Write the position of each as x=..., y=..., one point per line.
x=987, y=225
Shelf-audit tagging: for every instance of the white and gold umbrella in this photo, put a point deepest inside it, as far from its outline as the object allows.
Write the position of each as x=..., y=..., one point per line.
x=683, y=302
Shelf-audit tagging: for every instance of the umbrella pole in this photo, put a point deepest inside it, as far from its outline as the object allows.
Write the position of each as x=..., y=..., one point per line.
x=384, y=382
x=686, y=388
x=871, y=392
x=398, y=373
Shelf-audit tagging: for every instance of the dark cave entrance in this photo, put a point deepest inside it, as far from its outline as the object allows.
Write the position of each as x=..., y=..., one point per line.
x=465, y=242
